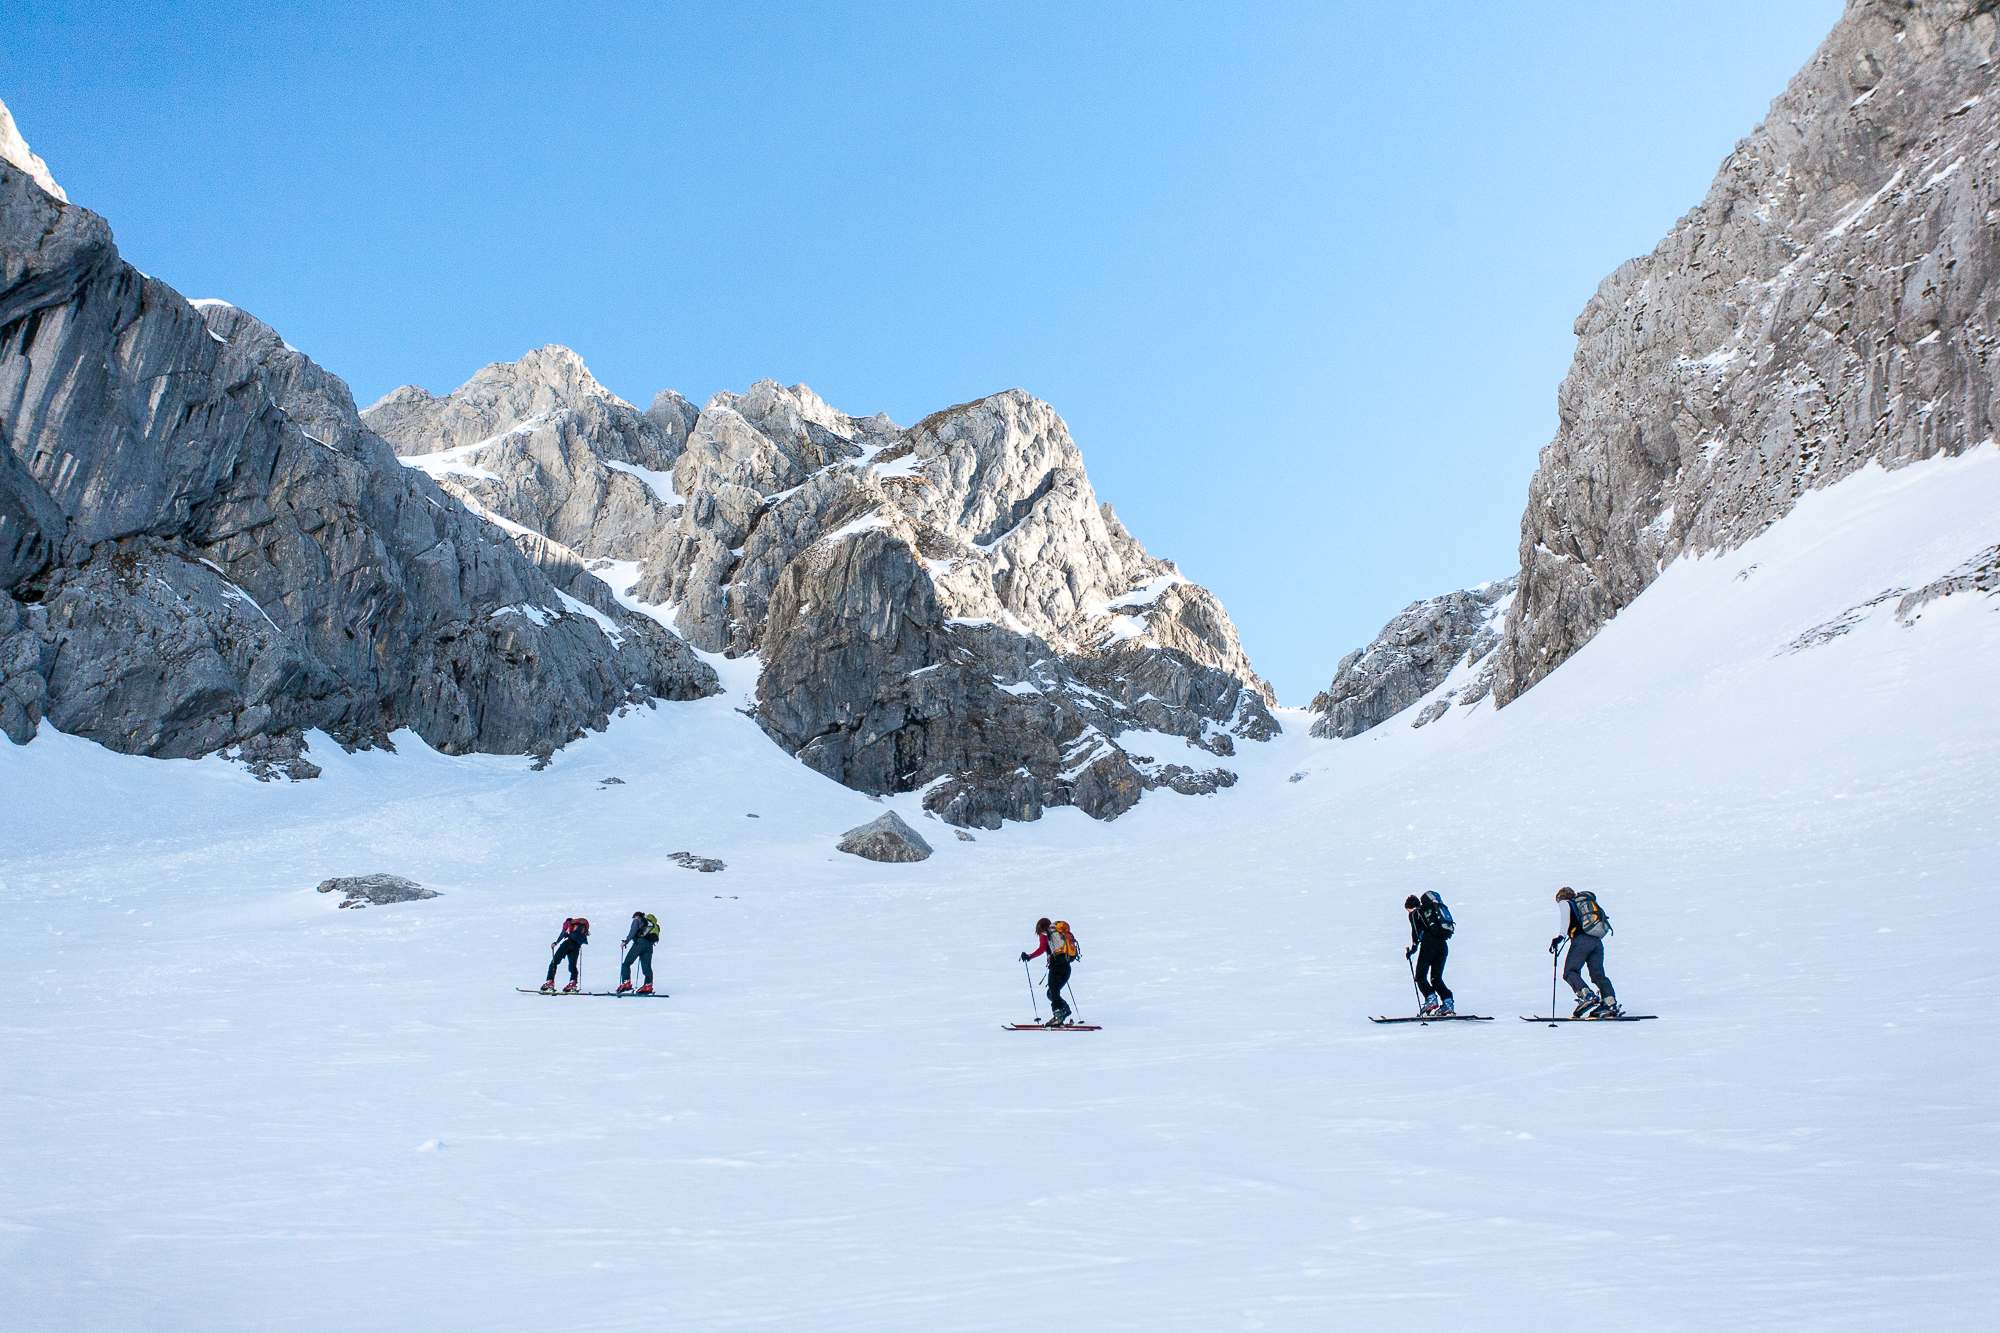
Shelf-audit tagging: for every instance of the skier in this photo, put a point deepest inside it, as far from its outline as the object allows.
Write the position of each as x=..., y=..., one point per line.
x=1060, y=946
x=575, y=934
x=1586, y=928
x=1430, y=935
x=641, y=938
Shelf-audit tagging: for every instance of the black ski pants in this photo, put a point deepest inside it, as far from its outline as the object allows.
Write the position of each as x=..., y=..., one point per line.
x=567, y=949
x=1058, y=978
x=1430, y=967
x=1587, y=949
x=642, y=953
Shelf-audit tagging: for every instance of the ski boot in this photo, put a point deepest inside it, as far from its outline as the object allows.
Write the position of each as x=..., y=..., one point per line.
x=624, y=986
x=1608, y=1008
x=549, y=986
x=1060, y=1020
x=646, y=989
x=1445, y=1008
x=1586, y=1004
x=570, y=989
x=1429, y=1008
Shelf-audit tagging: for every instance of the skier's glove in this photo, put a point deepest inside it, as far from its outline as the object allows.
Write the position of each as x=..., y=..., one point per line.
x=1407, y=952
x=1024, y=957
x=1556, y=944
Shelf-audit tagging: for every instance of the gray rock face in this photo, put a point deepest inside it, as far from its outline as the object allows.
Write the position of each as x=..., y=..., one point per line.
x=1831, y=301
x=886, y=839
x=1412, y=656
x=362, y=890
x=201, y=544
x=945, y=607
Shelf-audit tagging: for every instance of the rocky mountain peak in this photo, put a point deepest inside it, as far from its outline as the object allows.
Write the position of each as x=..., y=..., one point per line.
x=947, y=606
x=15, y=152
x=1438, y=646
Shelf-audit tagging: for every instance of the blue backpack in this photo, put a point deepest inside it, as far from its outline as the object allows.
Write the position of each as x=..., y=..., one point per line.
x=1434, y=916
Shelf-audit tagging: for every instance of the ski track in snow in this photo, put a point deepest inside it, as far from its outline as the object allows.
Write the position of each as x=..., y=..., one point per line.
x=227, y=1105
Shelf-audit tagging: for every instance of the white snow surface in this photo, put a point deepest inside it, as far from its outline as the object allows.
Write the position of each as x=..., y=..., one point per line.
x=228, y=1105
x=660, y=483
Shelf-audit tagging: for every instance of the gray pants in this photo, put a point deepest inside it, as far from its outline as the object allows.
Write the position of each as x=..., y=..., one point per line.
x=642, y=951
x=1587, y=950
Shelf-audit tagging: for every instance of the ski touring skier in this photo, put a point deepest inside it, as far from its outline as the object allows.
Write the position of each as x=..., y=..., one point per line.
x=1431, y=928
x=1060, y=945
x=640, y=939
x=569, y=944
x=1586, y=928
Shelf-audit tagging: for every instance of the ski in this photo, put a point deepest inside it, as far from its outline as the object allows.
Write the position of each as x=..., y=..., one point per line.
x=1044, y=1027
x=1438, y=1018
x=630, y=995
x=1622, y=1018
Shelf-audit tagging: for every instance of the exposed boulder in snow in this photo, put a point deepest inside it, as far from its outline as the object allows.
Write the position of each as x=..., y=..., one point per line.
x=708, y=865
x=271, y=757
x=1832, y=300
x=888, y=838
x=362, y=890
x=212, y=549
x=14, y=151
x=946, y=607
x=1412, y=656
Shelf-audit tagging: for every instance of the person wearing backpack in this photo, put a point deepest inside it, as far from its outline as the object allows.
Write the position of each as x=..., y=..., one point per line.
x=641, y=938
x=1586, y=928
x=1430, y=934
x=569, y=944
x=1060, y=945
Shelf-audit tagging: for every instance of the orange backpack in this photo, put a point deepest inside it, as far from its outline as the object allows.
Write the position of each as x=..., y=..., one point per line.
x=1063, y=941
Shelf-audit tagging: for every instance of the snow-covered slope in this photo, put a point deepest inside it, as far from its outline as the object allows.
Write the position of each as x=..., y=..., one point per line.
x=229, y=1106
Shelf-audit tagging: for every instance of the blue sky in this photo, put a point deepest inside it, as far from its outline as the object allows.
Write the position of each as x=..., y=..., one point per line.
x=1300, y=278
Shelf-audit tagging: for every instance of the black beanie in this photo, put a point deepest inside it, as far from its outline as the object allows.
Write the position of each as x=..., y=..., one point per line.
x=1410, y=902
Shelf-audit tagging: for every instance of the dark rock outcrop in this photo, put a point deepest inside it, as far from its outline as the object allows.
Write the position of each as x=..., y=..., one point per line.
x=200, y=545
x=1832, y=301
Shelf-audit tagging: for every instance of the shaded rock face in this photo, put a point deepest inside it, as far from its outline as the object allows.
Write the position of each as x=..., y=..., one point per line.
x=361, y=890
x=1412, y=656
x=946, y=607
x=886, y=839
x=1831, y=301
x=200, y=545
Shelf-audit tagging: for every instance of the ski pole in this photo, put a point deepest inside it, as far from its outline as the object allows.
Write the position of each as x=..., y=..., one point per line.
x=1070, y=986
x=1028, y=975
x=1555, y=961
x=1413, y=980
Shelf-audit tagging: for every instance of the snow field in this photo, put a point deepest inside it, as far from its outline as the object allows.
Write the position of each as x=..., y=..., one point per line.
x=228, y=1105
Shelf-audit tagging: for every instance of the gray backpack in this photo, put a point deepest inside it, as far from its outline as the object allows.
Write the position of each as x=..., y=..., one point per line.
x=1590, y=918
